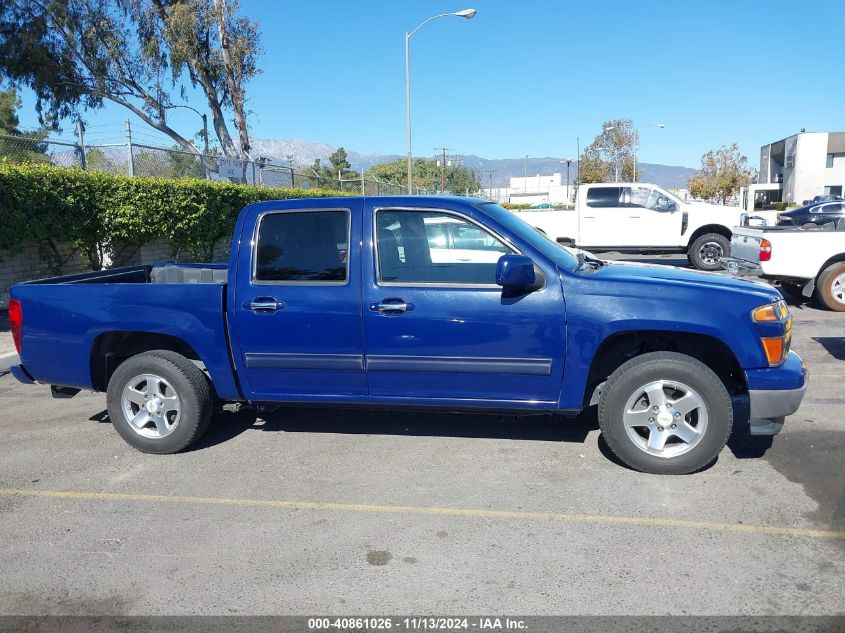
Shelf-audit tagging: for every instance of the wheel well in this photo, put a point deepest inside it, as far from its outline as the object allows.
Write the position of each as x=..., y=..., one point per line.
x=833, y=260
x=112, y=348
x=620, y=348
x=709, y=228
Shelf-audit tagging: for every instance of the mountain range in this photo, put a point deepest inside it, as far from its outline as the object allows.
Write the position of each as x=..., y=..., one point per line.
x=306, y=152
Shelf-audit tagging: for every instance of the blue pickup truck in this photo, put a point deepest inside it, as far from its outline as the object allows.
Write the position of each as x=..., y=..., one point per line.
x=453, y=303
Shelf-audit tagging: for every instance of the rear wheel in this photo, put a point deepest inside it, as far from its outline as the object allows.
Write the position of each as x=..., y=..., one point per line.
x=830, y=289
x=159, y=402
x=706, y=251
x=665, y=413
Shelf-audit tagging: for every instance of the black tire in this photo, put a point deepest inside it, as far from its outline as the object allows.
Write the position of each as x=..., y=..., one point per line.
x=190, y=386
x=706, y=251
x=624, y=384
x=827, y=289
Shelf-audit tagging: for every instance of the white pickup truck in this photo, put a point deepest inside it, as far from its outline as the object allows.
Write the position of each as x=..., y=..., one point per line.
x=643, y=218
x=805, y=261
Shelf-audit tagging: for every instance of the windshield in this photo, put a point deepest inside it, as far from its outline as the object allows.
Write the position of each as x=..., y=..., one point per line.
x=525, y=231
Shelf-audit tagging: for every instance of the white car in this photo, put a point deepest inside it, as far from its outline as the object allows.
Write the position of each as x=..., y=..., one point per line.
x=644, y=218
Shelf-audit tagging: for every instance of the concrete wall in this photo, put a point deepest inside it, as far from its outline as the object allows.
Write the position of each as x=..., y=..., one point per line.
x=810, y=172
x=27, y=263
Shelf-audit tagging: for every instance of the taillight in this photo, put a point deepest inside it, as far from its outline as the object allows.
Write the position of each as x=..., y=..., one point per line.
x=15, y=322
x=765, y=250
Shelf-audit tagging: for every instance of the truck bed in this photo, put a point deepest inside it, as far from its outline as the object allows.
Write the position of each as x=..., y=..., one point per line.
x=796, y=252
x=66, y=317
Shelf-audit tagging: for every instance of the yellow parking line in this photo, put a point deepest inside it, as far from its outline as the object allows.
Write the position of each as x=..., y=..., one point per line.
x=439, y=511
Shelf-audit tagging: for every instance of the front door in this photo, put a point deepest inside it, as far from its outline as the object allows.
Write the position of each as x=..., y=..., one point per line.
x=298, y=306
x=650, y=218
x=439, y=329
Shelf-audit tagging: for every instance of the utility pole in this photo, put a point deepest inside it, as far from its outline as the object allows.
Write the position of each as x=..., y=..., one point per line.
x=80, y=130
x=443, y=168
x=490, y=172
x=129, y=148
x=290, y=164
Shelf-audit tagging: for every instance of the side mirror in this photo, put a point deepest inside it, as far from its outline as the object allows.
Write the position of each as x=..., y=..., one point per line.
x=515, y=271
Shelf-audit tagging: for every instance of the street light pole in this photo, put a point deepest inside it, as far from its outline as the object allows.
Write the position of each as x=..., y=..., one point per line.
x=568, y=161
x=204, y=132
x=657, y=125
x=466, y=13
x=525, y=176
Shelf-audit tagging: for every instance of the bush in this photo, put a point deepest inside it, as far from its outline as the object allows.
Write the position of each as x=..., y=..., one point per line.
x=95, y=212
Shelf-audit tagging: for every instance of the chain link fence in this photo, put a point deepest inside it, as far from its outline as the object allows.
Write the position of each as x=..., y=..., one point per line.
x=135, y=159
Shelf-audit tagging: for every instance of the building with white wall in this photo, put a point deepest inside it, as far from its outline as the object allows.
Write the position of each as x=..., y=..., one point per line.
x=797, y=168
x=534, y=189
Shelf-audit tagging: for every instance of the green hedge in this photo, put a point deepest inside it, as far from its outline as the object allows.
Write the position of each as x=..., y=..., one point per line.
x=96, y=213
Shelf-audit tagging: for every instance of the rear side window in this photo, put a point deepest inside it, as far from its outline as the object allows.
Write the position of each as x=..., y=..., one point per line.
x=303, y=246
x=601, y=197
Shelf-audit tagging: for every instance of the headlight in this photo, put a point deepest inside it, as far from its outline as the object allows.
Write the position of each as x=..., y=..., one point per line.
x=771, y=312
x=774, y=316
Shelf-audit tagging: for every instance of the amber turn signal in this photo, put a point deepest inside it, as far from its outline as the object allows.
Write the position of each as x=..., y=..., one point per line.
x=776, y=349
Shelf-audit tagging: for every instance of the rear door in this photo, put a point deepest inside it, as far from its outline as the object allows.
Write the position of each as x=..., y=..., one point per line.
x=439, y=329
x=601, y=214
x=297, y=306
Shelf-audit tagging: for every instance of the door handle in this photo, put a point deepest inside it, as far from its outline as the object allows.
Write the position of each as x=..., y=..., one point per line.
x=391, y=306
x=264, y=304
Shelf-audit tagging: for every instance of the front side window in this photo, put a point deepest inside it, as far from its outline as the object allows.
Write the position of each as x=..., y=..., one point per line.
x=602, y=197
x=303, y=246
x=435, y=247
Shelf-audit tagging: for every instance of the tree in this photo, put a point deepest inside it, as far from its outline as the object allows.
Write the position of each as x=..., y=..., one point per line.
x=426, y=175
x=75, y=54
x=723, y=172
x=28, y=146
x=338, y=164
x=610, y=157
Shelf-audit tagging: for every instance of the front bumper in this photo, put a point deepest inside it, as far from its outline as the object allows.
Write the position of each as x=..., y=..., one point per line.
x=775, y=393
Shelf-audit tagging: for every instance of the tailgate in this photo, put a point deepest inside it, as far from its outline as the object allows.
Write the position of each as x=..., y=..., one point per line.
x=745, y=244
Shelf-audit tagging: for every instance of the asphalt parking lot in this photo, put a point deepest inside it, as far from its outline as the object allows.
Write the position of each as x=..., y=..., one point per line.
x=309, y=511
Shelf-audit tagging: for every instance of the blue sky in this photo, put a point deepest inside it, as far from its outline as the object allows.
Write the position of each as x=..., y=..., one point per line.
x=529, y=76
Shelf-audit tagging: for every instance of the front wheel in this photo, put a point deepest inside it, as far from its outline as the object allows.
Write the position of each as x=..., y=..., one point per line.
x=159, y=402
x=706, y=252
x=665, y=413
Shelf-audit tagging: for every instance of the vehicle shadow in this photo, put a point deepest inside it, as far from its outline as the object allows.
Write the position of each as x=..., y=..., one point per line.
x=834, y=345
x=291, y=419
